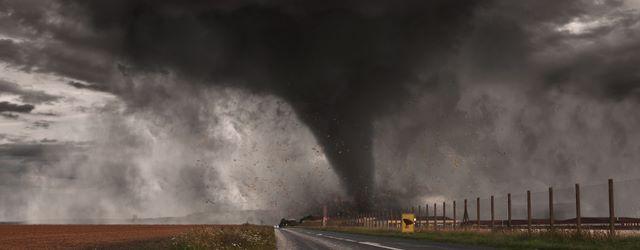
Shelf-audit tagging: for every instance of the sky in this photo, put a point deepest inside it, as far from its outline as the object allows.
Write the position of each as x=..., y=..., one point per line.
x=121, y=109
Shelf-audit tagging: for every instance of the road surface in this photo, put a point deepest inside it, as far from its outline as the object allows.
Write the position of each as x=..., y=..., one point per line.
x=299, y=238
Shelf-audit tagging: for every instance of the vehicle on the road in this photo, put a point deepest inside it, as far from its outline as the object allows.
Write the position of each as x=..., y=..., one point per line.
x=288, y=222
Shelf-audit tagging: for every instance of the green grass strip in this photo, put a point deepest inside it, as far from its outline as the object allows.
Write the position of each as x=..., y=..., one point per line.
x=558, y=239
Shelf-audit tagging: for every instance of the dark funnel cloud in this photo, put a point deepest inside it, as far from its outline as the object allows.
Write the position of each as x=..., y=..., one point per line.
x=339, y=64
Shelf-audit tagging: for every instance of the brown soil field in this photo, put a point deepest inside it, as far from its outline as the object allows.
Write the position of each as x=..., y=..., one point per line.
x=86, y=236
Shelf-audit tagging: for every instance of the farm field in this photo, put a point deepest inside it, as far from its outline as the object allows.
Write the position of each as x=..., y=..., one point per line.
x=129, y=236
x=84, y=236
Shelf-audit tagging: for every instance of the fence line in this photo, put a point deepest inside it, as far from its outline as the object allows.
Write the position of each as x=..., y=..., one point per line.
x=438, y=219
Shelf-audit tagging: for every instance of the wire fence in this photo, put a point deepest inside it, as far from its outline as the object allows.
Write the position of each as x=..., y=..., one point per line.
x=607, y=206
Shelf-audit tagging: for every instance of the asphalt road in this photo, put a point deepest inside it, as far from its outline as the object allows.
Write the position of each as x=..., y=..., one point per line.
x=298, y=238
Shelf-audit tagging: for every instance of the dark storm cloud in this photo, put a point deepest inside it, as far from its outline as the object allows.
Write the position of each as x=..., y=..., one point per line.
x=15, y=14
x=22, y=150
x=342, y=65
x=607, y=71
x=12, y=107
x=26, y=95
x=61, y=59
x=48, y=37
x=339, y=64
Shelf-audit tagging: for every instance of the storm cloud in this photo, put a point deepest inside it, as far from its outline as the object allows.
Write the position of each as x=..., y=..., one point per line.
x=94, y=87
x=404, y=98
x=343, y=65
x=338, y=65
x=12, y=107
x=26, y=95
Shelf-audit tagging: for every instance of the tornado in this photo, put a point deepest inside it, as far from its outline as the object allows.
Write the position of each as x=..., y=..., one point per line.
x=339, y=64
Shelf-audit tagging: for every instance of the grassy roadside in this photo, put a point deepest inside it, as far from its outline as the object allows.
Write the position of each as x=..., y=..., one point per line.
x=510, y=240
x=225, y=237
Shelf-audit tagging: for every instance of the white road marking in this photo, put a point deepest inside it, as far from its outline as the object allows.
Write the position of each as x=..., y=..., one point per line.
x=338, y=238
x=378, y=245
x=364, y=242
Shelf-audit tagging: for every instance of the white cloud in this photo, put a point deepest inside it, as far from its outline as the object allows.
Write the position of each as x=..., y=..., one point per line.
x=68, y=117
x=579, y=26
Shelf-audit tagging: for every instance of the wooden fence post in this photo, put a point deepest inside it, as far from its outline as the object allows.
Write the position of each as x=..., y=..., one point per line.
x=400, y=220
x=367, y=217
x=509, y=210
x=444, y=215
x=528, y=211
x=393, y=218
x=385, y=219
x=454, y=215
x=372, y=221
x=362, y=222
x=612, y=225
x=492, y=213
x=478, y=211
x=418, y=224
x=426, y=211
x=465, y=216
x=551, y=219
x=373, y=216
x=578, y=215
x=390, y=218
x=413, y=211
x=435, y=216
x=392, y=215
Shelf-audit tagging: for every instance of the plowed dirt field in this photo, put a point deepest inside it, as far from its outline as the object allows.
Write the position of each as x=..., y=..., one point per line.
x=86, y=236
